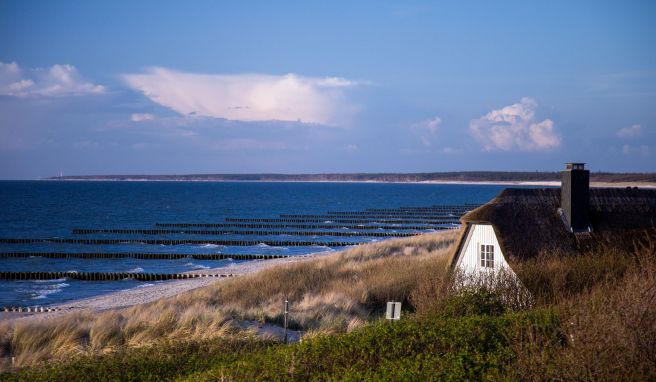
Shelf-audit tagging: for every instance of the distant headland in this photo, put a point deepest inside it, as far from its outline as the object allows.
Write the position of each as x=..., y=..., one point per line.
x=496, y=177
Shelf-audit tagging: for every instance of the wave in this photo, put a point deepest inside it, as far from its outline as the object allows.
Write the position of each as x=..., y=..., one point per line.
x=144, y=285
x=210, y=246
x=136, y=270
x=196, y=266
x=262, y=245
x=42, y=293
x=323, y=248
x=328, y=221
x=49, y=281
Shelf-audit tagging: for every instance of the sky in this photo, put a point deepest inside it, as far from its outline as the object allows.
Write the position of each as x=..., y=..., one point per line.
x=198, y=87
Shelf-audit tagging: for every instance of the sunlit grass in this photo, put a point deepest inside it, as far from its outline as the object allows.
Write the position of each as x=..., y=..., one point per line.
x=336, y=293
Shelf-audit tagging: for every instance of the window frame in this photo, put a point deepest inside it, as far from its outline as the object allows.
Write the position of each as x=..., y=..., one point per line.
x=486, y=255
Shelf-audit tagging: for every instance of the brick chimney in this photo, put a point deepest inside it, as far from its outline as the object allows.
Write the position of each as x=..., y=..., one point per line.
x=575, y=197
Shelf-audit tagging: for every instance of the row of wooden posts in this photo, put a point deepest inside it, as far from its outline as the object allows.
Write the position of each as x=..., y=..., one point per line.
x=144, y=256
x=301, y=226
x=237, y=243
x=372, y=217
x=29, y=309
x=105, y=276
x=414, y=214
x=436, y=208
x=85, y=231
x=339, y=220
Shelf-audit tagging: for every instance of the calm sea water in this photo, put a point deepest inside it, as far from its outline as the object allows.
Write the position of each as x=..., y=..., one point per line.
x=48, y=209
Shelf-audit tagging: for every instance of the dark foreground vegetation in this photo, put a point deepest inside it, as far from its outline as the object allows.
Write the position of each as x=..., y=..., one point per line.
x=591, y=317
x=458, y=176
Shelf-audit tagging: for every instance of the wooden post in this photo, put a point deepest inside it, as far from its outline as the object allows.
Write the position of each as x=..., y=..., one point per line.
x=286, y=314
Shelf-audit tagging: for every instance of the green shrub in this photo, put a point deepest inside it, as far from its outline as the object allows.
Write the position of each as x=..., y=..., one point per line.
x=164, y=361
x=471, y=303
x=474, y=347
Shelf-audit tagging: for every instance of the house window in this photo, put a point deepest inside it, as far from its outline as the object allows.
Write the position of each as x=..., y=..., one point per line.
x=487, y=256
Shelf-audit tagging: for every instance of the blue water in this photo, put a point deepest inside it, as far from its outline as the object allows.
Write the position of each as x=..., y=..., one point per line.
x=49, y=209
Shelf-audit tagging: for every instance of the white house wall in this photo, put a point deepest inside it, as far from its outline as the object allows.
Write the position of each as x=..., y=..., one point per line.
x=469, y=256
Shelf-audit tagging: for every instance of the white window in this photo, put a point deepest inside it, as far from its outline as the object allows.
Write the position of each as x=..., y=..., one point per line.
x=487, y=256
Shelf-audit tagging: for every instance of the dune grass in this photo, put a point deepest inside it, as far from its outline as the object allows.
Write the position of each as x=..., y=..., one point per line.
x=334, y=294
x=591, y=317
x=605, y=333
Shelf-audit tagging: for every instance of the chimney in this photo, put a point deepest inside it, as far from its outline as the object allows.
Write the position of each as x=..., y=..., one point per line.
x=575, y=198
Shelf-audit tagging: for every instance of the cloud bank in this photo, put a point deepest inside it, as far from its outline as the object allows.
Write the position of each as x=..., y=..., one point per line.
x=514, y=128
x=246, y=97
x=55, y=81
x=630, y=132
x=141, y=117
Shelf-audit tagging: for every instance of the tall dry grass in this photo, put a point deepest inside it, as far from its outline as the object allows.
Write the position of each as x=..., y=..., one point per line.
x=337, y=293
x=610, y=332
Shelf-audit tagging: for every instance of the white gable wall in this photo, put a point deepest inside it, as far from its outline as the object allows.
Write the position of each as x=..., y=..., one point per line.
x=469, y=258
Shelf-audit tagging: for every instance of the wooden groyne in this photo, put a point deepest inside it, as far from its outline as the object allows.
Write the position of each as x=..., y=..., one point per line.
x=86, y=231
x=410, y=214
x=237, y=243
x=142, y=256
x=105, y=276
x=419, y=213
x=300, y=226
x=371, y=216
x=28, y=309
x=437, y=208
x=340, y=220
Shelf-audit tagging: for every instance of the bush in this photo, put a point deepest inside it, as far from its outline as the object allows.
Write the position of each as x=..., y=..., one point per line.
x=470, y=303
x=165, y=361
x=437, y=348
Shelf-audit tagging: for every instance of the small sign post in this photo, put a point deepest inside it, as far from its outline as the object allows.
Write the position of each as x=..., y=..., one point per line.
x=393, y=311
x=286, y=312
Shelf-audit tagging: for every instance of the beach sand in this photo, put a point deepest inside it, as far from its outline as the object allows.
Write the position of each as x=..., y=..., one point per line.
x=155, y=291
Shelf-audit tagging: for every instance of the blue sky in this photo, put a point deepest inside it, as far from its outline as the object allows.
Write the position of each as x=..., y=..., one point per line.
x=154, y=87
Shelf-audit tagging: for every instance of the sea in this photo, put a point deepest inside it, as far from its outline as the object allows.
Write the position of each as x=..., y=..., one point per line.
x=53, y=209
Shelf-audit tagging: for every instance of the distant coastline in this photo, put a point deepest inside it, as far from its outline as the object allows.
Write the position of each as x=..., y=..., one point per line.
x=600, y=179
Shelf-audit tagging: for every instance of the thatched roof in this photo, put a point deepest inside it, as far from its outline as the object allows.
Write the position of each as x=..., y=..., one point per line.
x=527, y=223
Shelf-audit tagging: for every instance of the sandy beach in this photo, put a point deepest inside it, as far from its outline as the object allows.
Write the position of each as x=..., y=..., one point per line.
x=149, y=292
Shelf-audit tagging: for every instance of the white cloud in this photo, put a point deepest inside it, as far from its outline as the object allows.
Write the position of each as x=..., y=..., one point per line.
x=630, y=132
x=432, y=124
x=426, y=129
x=140, y=117
x=514, y=128
x=247, y=97
x=55, y=81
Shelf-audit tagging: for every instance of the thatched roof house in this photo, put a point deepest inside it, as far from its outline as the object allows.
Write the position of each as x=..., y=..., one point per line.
x=524, y=223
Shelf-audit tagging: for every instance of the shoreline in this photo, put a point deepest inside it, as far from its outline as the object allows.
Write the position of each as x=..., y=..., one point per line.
x=528, y=183
x=164, y=289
